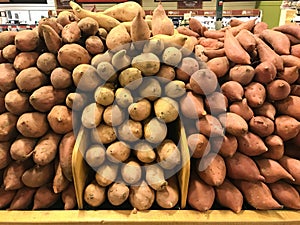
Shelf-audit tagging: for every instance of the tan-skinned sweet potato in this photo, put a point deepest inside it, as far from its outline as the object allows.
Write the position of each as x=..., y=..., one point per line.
x=22, y=148
x=106, y=174
x=52, y=39
x=94, y=195
x=6, y=38
x=88, y=26
x=9, y=52
x=71, y=33
x=104, y=134
x=8, y=122
x=94, y=45
x=30, y=79
x=5, y=157
x=117, y=193
x=61, y=78
x=8, y=76
x=17, y=102
x=27, y=40
x=169, y=196
x=141, y=196
x=161, y=24
x=155, y=177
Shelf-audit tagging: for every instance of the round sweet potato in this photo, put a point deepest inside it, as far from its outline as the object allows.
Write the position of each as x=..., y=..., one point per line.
x=7, y=78
x=60, y=119
x=27, y=40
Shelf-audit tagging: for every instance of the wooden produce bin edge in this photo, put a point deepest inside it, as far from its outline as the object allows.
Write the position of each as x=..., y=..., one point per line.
x=160, y=217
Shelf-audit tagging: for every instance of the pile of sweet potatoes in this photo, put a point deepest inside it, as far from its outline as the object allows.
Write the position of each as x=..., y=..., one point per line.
x=128, y=79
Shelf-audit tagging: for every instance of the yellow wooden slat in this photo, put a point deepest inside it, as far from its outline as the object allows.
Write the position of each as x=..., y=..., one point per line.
x=159, y=217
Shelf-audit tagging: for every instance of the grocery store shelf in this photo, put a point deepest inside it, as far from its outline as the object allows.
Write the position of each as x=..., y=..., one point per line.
x=160, y=217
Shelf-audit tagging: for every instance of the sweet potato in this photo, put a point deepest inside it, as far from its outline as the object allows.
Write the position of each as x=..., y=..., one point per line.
x=233, y=90
x=141, y=196
x=120, y=60
x=44, y=197
x=234, y=51
x=219, y=65
x=105, y=21
x=130, y=78
x=199, y=53
x=155, y=130
x=286, y=127
x=169, y=196
x=61, y=78
x=196, y=26
x=241, y=166
x=161, y=23
x=117, y=152
x=150, y=89
x=65, y=154
x=12, y=177
x=275, y=147
x=251, y=144
x=272, y=170
x=215, y=34
x=147, y=63
x=248, y=25
x=9, y=52
x=117, y=37
x=246, y=39
x=131, y=171
x=66, y=17
x=242, y=109
x=155, y=46
x=242, y=74
x=8, y=76
x=265, y=72
x=71, y=33
x=52, y=39
x=71, y=55
x=229, y=196
x=76, y=101
x=85, y=77
x=125, y=11
x=185, y=69
x=200, y=195
x=46, y=148
x=199, y=145
x=22, y=148
x=155, y=177
x=171, y=56
x=187, y=31
x=286, y=194
x=265, y=53
x=259, y=27
x=289, y=74
x=226, y=146
x=60, y=119
x=45, y=97
x=168, y=154
x=212, y=53
x=257, y=194
x=6, y=197
x=292, y=166
x=37, y=176
x=262, y=126
x=210, y=126
x=95, y=155
x=295, y=50
x=17, y=102
x=266, y=109
x=5, y=157
x=94, y=195
x=216, y=103
x=8, y=122
x=293, y=39
x=103, y=134
x=139, y=30
x=203, y=81
x=279, y=41
x=113, y=115
x=27, y=40
x=192, y=106
x=52, y=22
x=2, y=102
x=130, y=131
x=117, y=193
x=288, y=106
x=233, y=124
x=104, y=96
x=175, y=40
x=106, y=174
x=255, y=94
x=278, y=90
x=88, y=26
x=60, y=182
x=22, y=199
x=292, y=29
x=211, y=169
x=6, y=38
x=68, y=197
x=166, y=109
x=94, y=45
x=210, y=43
x=91, y=115
x=30, y=79
x=290, y=60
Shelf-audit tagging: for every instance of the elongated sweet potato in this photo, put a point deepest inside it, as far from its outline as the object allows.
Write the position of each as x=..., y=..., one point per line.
x=8, y=76
x=69, y=198
x=259, y=27
x=242, y=109
x=169, y=196
x=8, y=122
x=286, y=127
x=275, y=147
x=248, y=25
x=210, y=126
x=60, y=182
x=247, y=40
x=251, y=144
x=200, y=195
x=27, y=40
x=65, y=154
x=286, y=194
x=214, y=34
x=279, y=41
x=233, y=90
x=288, y=106
x=6, y=197
x=289, y=74
x=265, y=72
x=292, y=29
x=44, y=197
x=30, y=79
x=257, y=194
x=37, y=176
x=52, y=40
x=229, y=196
x=295, y=50
x=242, y=74
x=17, y=102
x=5, y=157
x=292, y=166
x=233, y=49
x=22, y=199
x=290, y=60
x=233, y=124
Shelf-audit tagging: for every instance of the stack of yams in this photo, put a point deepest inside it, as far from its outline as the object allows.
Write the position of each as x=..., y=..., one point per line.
x=125, y=78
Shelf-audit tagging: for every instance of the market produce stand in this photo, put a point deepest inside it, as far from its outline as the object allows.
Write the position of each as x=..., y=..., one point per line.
x=113, y=217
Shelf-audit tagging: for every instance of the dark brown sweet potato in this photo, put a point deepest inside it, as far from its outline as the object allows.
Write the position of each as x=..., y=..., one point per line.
x=37, y=176
x=44, y=197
